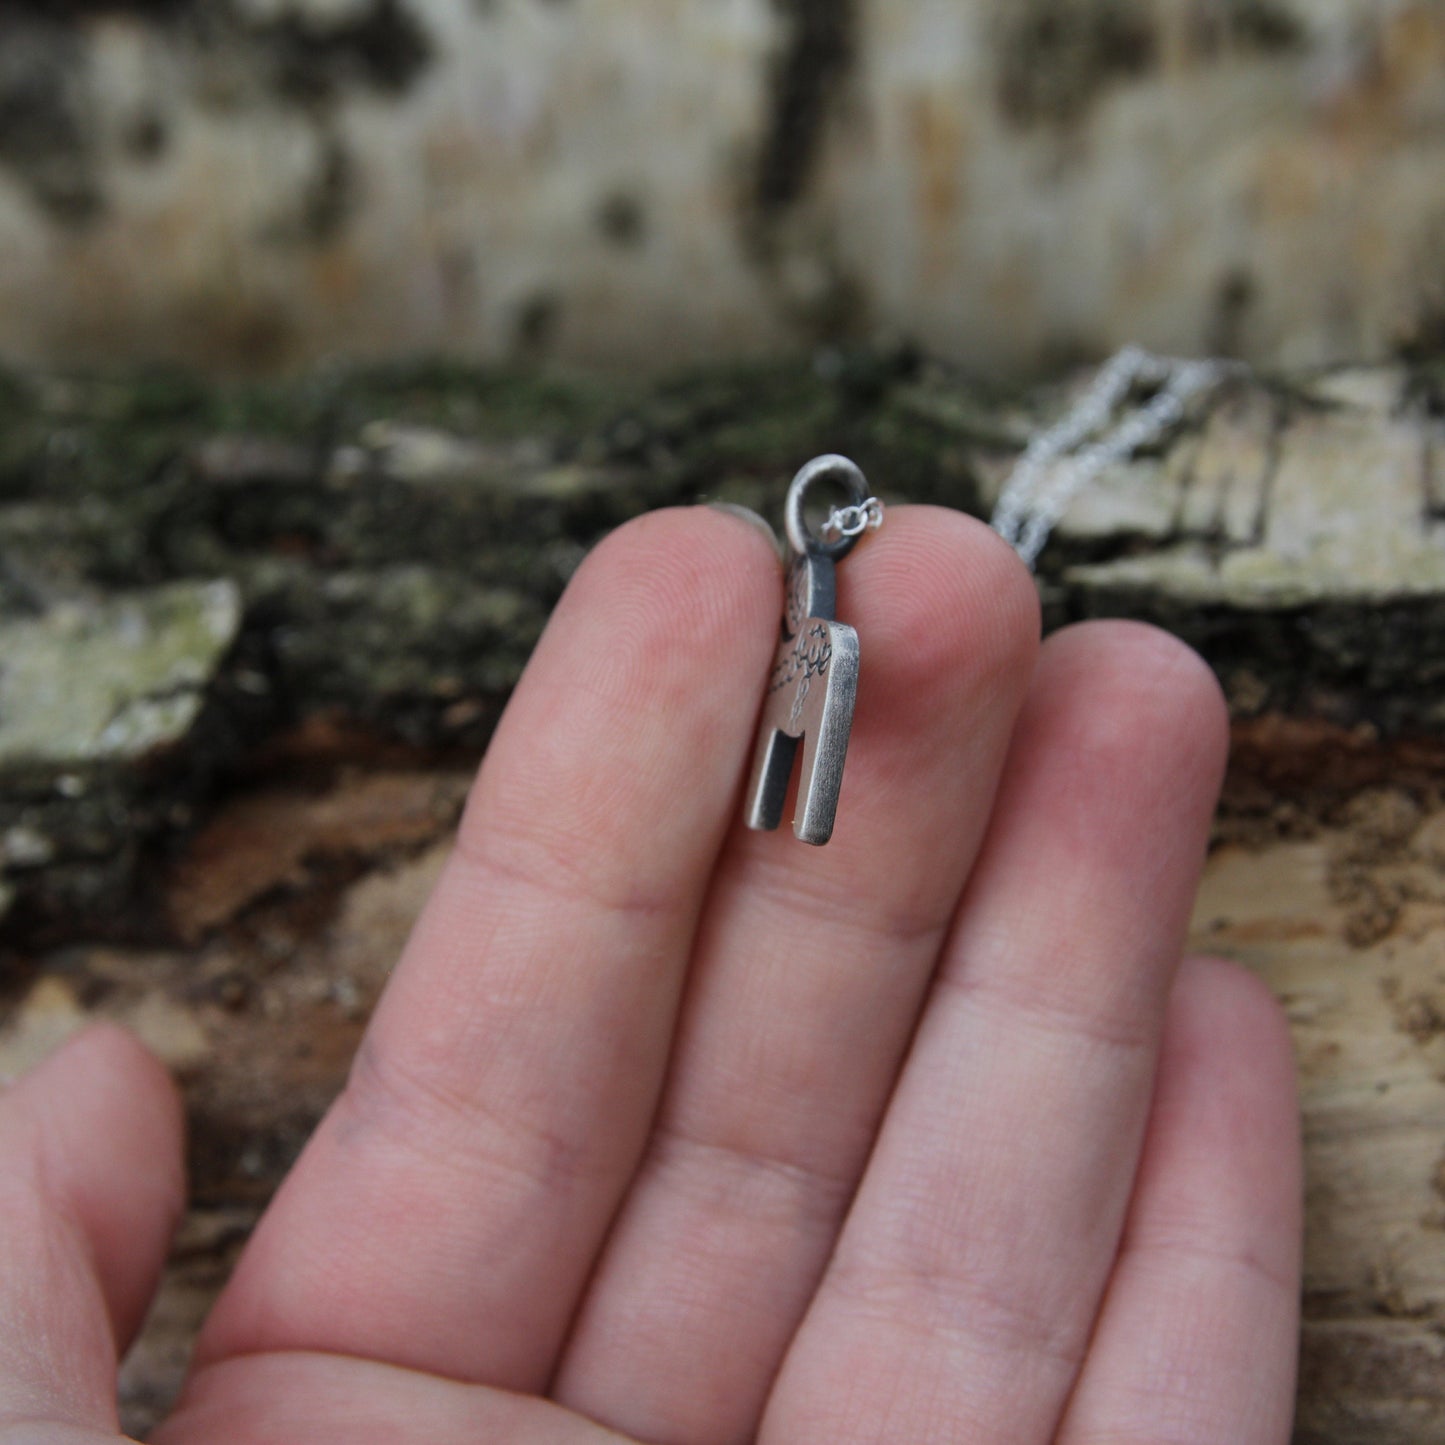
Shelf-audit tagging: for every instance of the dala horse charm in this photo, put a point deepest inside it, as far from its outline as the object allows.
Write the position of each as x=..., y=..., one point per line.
x=814, y=682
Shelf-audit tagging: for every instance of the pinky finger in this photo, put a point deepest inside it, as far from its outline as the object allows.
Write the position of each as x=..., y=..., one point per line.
x=1198, y=1336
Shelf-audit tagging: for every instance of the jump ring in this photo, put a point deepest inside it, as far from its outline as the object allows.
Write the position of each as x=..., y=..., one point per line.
x=840, y=471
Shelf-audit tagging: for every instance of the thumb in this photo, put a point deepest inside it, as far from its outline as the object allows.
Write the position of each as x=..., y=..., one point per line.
x=91, y=1186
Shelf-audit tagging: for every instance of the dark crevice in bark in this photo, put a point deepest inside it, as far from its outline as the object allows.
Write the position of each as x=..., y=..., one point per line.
x=816, y=57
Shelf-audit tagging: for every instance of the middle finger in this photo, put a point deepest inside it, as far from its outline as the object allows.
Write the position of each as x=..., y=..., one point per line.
x=811, y=967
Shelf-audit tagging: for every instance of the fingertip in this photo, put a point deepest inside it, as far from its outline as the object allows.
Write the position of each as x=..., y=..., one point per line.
x=1165, y=689
x=110, y=1051
x=661, y=605
x=758, y=523
x=947, y=576
x=109, y=1132
x=1227, y=1098
x=104, y=1069
x=658, y=649
x=1137, y=722
x=1227, y=1015
x=1005, y=590
x=702, y=556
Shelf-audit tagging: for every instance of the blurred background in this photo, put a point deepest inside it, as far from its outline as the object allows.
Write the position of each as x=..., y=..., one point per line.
x=1013, y=183
x=334, y=332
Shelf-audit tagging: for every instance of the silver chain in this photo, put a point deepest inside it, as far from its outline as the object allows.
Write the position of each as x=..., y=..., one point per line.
x=867, y=516
x=1060, y=462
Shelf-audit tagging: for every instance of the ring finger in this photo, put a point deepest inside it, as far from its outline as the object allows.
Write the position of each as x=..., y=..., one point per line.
x=960, y=1300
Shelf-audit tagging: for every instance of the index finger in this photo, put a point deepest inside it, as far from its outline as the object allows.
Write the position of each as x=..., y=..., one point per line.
x=446, y=1214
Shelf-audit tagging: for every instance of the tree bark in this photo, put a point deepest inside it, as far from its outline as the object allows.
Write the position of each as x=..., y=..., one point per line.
x=252, y=639
x=266, y=183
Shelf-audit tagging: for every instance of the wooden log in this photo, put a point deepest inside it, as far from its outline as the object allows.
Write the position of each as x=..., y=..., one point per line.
x=328, y=588
x=266, y=182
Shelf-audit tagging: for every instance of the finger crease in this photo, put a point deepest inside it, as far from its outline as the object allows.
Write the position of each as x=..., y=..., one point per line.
x=404, y=1105
x=1179, y=1249
x=554, y=873
x=824, y=1193
x=1017, y=1006
x=800, y=897
x=958, y=1306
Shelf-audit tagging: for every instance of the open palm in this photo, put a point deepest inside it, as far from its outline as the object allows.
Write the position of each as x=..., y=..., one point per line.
x=667, y=1131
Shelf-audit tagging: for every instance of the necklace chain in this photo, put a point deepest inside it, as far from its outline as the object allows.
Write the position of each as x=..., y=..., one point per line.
x=1061, y=461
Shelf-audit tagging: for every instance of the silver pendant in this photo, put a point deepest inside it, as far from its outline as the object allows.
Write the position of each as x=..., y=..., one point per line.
x=814, y=681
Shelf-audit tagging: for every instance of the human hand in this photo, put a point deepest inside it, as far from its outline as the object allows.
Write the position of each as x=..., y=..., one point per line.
x=667, y=1131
